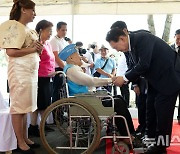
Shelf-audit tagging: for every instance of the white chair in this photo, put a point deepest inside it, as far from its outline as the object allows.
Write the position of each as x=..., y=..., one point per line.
x=3, y=103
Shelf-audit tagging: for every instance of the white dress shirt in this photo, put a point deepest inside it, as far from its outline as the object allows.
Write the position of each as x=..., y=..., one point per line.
x=124, y=77
x=58, y=44
x=122, y=65
x=90, y=61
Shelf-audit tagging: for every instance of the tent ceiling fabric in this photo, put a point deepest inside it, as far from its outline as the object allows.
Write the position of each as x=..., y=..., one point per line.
x=90, y=7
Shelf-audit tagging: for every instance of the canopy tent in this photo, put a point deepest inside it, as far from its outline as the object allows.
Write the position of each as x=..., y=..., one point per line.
x=90, y=7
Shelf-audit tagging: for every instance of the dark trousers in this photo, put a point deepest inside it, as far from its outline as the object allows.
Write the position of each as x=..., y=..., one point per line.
x=121, y=109
x=160, y=110
x=125, y=93
x=178, y=117
x=44, y=93
x=141, y=105
x=108, y=88
x=114, y=90
x=58, y=81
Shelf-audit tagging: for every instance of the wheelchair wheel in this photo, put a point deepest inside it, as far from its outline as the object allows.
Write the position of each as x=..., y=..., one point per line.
x=120, y=148
x=77, y=127
x=61, y=119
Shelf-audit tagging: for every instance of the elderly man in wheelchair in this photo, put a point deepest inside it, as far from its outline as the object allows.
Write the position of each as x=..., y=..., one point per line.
x=78, y=119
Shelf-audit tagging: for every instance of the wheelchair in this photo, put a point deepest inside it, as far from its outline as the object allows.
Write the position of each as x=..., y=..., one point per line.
x=79, y=122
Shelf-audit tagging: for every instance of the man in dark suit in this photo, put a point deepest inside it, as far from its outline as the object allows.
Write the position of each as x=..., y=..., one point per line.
x=154, y=59
x=139, y=86
x=176, y=47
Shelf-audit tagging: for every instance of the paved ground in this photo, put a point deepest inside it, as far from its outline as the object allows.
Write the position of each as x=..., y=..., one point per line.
x=42, y=150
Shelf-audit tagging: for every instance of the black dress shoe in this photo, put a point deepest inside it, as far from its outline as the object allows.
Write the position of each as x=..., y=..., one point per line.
x=29, y=151
x=156, y=150
x=34, y=146
x=137, y=143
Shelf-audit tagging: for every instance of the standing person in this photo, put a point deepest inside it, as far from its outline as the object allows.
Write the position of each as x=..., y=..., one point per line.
x=90, y=62
x=23, y=50
x=58, y=43
x=109, y=65
x=86, y=57
x=139, y=86
x=154, y=59
x=95, y=54
x=121, y=70
x=46, y=67
x=176, y=47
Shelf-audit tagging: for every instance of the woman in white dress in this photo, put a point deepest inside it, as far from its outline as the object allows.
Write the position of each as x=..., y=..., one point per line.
x=23, y=50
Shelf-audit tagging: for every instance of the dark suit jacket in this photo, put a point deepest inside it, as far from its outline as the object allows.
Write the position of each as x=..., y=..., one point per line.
x=154, y=59
x=173, y=46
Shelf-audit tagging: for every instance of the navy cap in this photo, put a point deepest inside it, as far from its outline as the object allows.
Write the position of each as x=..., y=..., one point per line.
x=67, y=51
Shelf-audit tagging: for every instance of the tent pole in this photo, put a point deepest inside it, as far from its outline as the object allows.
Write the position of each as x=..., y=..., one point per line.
x=72, y=16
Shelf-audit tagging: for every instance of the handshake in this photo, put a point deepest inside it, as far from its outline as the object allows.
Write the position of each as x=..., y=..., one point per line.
x=118, y=81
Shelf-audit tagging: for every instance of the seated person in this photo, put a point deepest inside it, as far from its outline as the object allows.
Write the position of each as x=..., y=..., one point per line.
x=78, y=82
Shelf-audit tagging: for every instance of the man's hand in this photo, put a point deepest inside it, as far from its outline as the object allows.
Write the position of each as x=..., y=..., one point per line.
x=118, y=81
x=137, y=90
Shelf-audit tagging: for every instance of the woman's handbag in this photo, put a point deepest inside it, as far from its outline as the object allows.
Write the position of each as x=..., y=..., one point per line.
x=96, y=74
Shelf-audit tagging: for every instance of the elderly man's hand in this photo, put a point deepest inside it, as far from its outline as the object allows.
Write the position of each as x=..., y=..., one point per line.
x=110, y=75
x=84, y=59
x=118, y=81
x=114, y=78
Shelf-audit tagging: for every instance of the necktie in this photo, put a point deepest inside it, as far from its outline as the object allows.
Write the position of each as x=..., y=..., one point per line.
x=131, y=57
